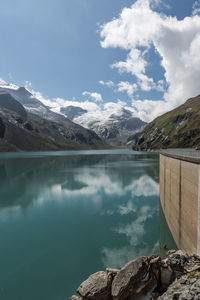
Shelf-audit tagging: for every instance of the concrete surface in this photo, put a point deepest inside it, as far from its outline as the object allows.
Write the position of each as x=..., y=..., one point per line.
x=179, y=196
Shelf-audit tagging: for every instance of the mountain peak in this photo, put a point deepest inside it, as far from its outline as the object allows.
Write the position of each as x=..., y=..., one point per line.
x=24, y=91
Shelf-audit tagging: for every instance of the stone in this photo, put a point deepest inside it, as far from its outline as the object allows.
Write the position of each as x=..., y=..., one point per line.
x=74, y=297
x=177, y=261
x=111, y=273
x=180, y=291
x=175, y=277
x=167, y=277
x=96, y=287
x=155, y=264
x=131, y=279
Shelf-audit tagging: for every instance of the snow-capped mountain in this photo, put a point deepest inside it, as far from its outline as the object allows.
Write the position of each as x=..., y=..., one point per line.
x=112, y=127
x=72, y=112
x=27, y=124
x=113, y=122
x=30, y=103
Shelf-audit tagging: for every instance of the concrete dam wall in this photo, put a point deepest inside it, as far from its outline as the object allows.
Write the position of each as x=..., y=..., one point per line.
x=180, y=196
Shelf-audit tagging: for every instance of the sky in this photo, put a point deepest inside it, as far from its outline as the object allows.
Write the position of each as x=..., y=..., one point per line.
x=103, y=55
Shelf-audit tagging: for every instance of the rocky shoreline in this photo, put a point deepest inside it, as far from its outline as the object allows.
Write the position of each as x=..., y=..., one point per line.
x=177, y=276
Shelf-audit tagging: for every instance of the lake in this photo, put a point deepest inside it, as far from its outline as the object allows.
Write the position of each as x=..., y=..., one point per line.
x=66, y=215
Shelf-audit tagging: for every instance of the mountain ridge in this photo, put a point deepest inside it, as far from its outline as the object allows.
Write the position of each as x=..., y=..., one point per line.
x=113, y=128
x=177, y=128
x=24, y=129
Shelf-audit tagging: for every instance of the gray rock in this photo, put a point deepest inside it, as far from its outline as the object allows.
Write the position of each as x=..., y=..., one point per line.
x=177, y=260
x=183, y=289
x=112, y=273
x=131, y=279
x=111, y=270
x=167, y=276
x=74, y=298
x=96, y=287
x=155, y=264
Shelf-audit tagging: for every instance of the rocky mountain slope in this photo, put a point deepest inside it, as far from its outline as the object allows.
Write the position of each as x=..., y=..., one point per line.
x=113, y=128
x=179, y=128
x=26, y=124
x=8, y=102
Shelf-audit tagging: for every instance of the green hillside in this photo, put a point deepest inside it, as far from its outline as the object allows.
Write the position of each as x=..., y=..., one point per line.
x=179, y=128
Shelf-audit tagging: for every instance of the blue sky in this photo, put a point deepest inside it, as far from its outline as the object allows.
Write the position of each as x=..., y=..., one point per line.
x=64, y=48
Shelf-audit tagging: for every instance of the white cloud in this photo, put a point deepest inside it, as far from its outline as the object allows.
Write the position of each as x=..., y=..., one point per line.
x=159, y=3
x=125, y=86
x=94, y=96
x=138, y=30
x=149, y=109
x=136, y=65
x=56, y=103
x=122, y=86
x=108, y=83
x=155, y=3
x=4, y=84
x=196, y=8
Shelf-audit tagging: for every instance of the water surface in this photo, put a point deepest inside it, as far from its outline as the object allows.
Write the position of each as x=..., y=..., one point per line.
x=66, y=215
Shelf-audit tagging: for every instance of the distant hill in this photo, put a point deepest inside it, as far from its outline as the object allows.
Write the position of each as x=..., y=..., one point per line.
x=28, y=125
x=175, y=129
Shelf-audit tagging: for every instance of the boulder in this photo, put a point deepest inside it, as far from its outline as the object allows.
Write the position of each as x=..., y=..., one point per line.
x=131, y=279
x=96, y=287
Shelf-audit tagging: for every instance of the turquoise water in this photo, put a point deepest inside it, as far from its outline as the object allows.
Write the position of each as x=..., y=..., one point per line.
x=66, y=215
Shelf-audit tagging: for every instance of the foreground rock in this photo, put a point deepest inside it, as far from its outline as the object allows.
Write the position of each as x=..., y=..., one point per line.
x=175, y=277
x=187, y=287
x=97, y=287
x=134, y=278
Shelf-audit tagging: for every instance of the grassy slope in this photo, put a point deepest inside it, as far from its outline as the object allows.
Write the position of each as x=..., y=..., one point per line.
x=177, y=128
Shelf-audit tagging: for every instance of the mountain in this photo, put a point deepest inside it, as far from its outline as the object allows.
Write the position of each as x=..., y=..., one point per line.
x=26, y=124
x=114, y=128
x=72, y=112
x=23, y=96
x=8, y=102
x=179, y=128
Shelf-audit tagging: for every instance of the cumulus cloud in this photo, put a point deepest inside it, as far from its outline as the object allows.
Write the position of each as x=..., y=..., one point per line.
x=94, y=96
x=108, y=83
x=139, y=29
x=148, y=109
x=125, y=86
x=56, y=103
x=136, y=65
x=122, y=86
